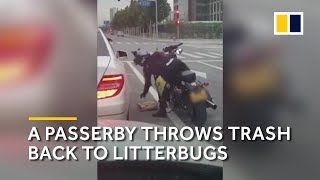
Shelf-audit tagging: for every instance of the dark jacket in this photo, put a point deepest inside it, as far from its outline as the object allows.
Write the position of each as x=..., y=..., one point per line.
x=161, y=64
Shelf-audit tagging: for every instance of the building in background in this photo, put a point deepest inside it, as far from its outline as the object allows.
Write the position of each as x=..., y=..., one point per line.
x=113, y=11
x=199, y=10
x=216, y=10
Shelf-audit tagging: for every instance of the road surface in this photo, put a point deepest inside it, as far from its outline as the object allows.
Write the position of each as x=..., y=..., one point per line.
x=205, y=57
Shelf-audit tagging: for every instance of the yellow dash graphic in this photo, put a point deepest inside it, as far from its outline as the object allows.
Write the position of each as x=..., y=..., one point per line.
x=50, y=118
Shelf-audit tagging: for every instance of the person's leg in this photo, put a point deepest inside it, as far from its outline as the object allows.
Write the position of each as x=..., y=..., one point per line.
x=155, y=80
x=162, y=104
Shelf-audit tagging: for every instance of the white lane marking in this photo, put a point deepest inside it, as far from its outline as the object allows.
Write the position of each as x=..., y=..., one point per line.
x=145, y=43
x=176, y=120
x=180, y=57
x=154, y=43
x=202, y=54
x=210, y=65
x=136, y=43
x=191, y=55
x=119, y=42
x=172, y=116
x=200, y=74
x=217, y=54
x=128, y=43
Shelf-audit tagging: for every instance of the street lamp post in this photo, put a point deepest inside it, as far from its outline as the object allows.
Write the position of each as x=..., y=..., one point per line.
x=177, y=12
x=156, y=18
x=156, y=6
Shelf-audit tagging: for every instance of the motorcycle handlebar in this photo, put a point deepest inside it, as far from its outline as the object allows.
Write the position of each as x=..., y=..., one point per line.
x=170, y=48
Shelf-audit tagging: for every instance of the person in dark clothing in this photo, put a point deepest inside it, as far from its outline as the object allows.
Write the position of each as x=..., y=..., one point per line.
x=165, y=69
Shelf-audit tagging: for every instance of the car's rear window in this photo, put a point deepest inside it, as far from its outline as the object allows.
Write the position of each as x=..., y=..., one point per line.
x=102, y=49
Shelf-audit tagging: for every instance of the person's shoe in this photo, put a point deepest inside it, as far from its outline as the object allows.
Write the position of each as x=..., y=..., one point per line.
x=160, y=114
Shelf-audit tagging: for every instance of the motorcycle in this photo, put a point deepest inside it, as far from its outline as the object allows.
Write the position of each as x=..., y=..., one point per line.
x=190, y=95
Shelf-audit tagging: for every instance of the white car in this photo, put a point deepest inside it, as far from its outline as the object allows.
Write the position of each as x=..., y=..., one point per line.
x=112, y=90
x=120, y=34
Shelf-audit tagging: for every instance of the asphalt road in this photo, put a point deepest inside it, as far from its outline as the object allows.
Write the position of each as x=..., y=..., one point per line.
x=202, y=56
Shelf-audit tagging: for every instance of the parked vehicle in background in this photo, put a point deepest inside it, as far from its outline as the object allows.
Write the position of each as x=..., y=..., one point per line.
x=120, y=34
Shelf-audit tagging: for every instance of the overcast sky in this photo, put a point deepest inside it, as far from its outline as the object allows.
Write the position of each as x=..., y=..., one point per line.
x=105, y=5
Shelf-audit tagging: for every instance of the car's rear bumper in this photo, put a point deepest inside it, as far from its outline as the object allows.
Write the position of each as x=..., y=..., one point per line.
x=114, y=111
x=115, y=107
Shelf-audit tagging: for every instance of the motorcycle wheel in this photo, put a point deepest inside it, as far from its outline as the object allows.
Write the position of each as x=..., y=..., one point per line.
x=199, y=115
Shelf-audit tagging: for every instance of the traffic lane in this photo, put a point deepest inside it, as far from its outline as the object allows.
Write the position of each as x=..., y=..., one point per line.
x=189, y=52
x=152, y=45
x=207, y=64
x=133, y=47
x=132, y=41
x=215, y=88
x=213, y=64
x=214, y=117
x=215, y=80
x=136, y=88
x=197, y=43
x=214, y=75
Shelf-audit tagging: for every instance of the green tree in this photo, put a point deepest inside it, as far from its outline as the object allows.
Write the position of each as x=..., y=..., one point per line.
x=133, y=15
x=163, y=11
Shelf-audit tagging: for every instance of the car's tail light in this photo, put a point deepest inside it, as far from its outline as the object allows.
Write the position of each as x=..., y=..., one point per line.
x=110, y=86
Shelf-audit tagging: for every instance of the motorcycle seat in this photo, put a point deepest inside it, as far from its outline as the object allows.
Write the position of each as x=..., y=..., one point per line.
x=188, y=76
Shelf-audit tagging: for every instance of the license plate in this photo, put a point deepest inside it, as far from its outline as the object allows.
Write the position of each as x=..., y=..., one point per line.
x=199, y=96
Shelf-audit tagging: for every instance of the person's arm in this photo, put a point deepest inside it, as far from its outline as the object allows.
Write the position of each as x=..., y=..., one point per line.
x=147, y=84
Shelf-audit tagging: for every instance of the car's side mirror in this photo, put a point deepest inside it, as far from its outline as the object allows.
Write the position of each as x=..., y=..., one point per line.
x=121, y=54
